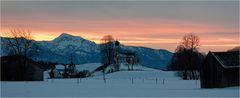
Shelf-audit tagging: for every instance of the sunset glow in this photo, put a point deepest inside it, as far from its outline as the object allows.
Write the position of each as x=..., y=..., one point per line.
x=158, y=25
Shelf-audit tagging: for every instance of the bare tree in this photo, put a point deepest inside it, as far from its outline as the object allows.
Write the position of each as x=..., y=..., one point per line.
x=106, y=51
x=191, y=41
x=128, y=61
x=19, y=42
x=106, y=48
x=187, y=59
x=135, y=61
x=131, y=59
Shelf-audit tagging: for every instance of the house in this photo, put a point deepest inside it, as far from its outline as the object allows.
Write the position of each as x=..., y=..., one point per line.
x=13, y=69
x=220, y=69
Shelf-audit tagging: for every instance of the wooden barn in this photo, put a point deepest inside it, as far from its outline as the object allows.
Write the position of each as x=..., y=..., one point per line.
x=13, y=69
x=220, y=69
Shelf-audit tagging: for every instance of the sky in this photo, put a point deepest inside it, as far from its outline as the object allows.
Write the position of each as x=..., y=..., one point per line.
x=154, y=24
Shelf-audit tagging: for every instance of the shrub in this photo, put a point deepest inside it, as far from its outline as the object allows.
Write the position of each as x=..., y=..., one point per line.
x=84, y=73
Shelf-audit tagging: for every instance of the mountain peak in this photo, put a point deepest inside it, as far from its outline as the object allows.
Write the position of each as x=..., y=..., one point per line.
x=65, y=35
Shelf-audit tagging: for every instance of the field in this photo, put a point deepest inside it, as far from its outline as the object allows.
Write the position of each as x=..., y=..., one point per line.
x=145, y=83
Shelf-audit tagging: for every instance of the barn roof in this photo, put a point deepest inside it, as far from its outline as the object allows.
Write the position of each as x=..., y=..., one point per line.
x=228, y=59
x=14, y=58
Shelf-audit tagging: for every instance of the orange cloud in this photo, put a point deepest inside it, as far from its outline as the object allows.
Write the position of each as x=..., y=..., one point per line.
x=131, y=32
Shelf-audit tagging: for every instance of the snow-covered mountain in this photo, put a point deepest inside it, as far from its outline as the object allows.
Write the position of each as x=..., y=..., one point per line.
x=84, y=51
x=65, y=45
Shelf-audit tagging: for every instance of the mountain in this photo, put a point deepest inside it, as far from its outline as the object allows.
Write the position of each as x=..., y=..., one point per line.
x=84, y=51
x=65, y=45
x=151, y=57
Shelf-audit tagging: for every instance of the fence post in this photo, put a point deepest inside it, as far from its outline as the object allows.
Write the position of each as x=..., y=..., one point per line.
x=132, y=80
x=104, y=80
x=196, y=83
x=156, y=80
x=77, y=80
x=163, y=81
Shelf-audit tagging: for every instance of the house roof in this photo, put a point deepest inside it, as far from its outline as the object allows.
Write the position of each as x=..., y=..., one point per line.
x=228, y=59
x=14, y=58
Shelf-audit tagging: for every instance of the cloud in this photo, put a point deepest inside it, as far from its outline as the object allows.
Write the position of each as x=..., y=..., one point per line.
x=154, y=24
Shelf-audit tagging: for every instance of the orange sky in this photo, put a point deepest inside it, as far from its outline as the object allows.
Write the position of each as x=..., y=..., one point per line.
x=132, y=23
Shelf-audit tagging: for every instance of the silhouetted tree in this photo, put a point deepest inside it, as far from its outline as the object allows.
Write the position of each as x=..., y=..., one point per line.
x=65, y=72
x=117, y=49
x=237, y=48
x=19, y=42
x=131, y=59
x=107, y=49
x=71, y=66
x=84, y=73
x=51, y=74
x=135, y=61
x=187, y=58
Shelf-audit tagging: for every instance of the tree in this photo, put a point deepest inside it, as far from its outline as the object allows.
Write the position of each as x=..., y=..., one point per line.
x=187, y=58
x=191, y=42
x=106, y=48
x=135, y=60
x=237, y=48
x=51, y=74
x=19, y=42
x=131, y=59
x=107, y=52
x=84, y=73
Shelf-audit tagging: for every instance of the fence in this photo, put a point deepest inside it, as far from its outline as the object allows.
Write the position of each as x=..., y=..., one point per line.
x=128, y=81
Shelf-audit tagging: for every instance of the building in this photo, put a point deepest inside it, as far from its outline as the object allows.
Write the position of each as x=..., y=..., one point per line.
x=13, y=69
x=117, y=56
x=220, y=69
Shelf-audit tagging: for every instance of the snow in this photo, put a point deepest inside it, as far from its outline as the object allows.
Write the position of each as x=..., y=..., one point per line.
x=146, y=74
x=59, y=67
x=90, y=66
x=145, y=83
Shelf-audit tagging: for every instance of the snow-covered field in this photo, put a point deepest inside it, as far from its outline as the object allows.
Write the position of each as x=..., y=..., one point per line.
x=146, y=83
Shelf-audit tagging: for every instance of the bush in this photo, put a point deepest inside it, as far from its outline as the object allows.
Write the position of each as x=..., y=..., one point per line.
x=84, y=73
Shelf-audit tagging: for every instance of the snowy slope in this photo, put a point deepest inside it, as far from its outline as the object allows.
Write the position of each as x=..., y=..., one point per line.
x=119, y=84
x=89, y=66
x=147, y=74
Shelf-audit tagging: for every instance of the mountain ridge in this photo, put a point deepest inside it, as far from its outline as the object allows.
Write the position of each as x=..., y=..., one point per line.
x=86, y=51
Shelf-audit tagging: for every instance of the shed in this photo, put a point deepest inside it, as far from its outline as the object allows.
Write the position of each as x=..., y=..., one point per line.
x=13, y=69
x=220, y=69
